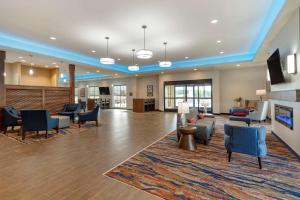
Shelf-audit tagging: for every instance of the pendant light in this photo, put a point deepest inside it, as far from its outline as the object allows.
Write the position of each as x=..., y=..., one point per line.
x=144, y=53
x=165, y=63
x=107, y=60
x=133, y=67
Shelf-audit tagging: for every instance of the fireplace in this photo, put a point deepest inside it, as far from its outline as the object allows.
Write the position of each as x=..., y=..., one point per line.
x=284, y=115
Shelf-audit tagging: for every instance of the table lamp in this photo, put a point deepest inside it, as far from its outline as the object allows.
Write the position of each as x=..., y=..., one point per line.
x=183, y=108
x=261, y=93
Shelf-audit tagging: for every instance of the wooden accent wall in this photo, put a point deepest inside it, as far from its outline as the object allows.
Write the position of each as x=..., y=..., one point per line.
x=36, y=97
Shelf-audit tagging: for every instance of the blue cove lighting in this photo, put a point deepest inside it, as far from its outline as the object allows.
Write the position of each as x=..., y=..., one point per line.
x=85, y=76
x=14, y=42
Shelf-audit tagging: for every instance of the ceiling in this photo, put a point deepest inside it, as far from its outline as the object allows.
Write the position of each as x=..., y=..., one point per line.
x=81, y=26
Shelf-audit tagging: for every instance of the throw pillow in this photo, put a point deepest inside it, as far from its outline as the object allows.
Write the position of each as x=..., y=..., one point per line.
x=192, y=120
x=240, y=114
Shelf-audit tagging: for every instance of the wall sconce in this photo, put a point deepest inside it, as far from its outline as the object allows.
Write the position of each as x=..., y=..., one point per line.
x=291, y=63
x=31, y=72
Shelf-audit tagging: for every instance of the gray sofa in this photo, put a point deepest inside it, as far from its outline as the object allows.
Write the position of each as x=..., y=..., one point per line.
x=205, y=127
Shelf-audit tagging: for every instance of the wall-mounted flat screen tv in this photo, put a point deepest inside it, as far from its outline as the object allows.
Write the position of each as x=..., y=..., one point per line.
x=104, y=91
x=275, y=69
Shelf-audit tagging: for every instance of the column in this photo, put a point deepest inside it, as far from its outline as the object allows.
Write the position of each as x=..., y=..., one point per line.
x=2, y=78
x=72, y=82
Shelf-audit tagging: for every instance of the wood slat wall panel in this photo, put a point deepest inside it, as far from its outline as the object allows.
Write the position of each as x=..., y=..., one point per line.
x=33, y=97
x=24, y=98
x=56, y=99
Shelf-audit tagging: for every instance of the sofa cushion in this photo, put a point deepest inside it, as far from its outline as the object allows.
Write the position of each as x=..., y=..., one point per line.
x=192, y=120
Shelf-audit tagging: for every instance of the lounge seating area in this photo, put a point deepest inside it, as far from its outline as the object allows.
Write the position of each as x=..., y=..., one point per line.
x=147, y=100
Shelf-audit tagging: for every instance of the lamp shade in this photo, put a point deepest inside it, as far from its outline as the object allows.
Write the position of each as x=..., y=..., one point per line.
x=261, y=92
x=291, y=63
x=183, y=108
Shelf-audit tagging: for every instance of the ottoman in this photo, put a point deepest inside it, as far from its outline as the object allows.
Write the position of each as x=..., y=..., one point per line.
x=246, y=119
x=63, y=121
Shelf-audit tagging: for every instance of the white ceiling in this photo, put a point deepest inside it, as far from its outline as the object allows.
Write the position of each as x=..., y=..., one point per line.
x=81, y=26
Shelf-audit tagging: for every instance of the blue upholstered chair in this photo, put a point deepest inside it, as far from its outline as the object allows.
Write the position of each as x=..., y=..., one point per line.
x=37, y=120
x=89, y=116
x=11, y=117
x=245, y=140
x=71, y=110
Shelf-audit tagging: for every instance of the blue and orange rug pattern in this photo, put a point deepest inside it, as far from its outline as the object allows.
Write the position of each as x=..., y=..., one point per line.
x=171, y=173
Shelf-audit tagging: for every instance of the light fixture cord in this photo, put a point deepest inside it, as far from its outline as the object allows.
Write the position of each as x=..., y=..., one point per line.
x=165, y=51
x=144, y=38
x=133, y=57
x=107, y=47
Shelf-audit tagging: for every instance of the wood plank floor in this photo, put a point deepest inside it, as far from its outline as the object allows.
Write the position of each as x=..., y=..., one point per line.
x=72, y=166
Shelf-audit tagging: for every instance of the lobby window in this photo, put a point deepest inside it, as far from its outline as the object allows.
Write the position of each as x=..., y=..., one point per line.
x=198, y=94
x=120, y=96
x=76, y=94
x=93, y=92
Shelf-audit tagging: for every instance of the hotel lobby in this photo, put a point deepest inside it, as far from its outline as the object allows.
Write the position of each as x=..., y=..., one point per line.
x=175, y=100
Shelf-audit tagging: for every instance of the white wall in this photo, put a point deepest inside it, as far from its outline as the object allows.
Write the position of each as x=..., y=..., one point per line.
x=214, y=75
x=288, y=43
x=243, y=83
x=141, y=89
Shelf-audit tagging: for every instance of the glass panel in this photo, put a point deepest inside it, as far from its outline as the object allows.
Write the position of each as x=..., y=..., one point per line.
x=169, y=91
x=178, y=101
x=169, y=103
x=201, y=91
x=207, y=91
x=190, y=102
x=205, y=103
x=190, y=91
x=179, y=91
x=196, y=103
x=196, y=89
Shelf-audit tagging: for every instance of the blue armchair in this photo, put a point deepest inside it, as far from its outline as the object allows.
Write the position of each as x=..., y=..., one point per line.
x=37, y=120
x=71, y=110
x=11, y=117
x=245, y=140
x=89, y=116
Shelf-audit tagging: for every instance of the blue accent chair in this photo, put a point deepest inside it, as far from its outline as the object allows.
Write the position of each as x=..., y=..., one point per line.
x=245, y=140
x=37, y=120
x=71, y=110
x=11, y=117
x=89, y=116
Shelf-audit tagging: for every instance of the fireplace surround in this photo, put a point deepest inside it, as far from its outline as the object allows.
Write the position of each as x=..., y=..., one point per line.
x=284, y=115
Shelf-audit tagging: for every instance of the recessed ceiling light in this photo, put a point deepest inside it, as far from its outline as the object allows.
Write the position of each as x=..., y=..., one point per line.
x=214, y=21
x=46, y=66
x=116, y=74
x=52, y=38
x=222, y=52
x=98, y=71
x=136, y=75
x=54, y=63
x=23, y=60
x=20, y=57
x=32, y=64
x=87, y=72
x=119, y=59
x=162, y=72
x=93, y=51
x=195, y=69
x=238, y=65
x=57, y=66
x=219, y=41
x=186, y=57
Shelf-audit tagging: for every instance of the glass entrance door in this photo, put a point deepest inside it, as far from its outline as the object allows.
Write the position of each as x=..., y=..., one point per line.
x=120, y=96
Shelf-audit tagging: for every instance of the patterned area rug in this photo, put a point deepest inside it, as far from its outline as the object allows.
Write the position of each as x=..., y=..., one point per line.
x=33, y=137
x=171, y=173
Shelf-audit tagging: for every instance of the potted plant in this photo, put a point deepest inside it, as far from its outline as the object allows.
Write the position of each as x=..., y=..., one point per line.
x=238, y=101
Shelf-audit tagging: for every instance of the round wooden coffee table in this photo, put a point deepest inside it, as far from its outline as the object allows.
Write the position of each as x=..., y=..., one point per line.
x=187, y=138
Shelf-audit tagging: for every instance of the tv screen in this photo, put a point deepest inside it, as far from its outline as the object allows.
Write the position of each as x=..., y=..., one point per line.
x=275, y=70
x=104, y=91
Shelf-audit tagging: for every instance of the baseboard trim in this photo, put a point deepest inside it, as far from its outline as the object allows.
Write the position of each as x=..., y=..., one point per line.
x=287, y=146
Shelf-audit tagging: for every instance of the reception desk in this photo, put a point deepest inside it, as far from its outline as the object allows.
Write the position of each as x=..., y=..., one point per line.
x=143, y=105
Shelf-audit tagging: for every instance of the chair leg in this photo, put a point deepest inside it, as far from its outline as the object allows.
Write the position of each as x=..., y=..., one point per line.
x=79, y=124
x=97, y=123
x=57, y=129
x=229, y=156
x=12, y=128
x=5, y=130
x=23, y=135
x=46, y=136
x=259, y=162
